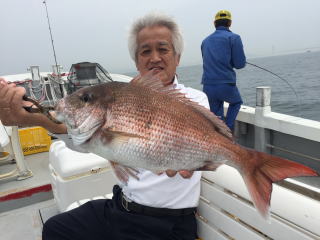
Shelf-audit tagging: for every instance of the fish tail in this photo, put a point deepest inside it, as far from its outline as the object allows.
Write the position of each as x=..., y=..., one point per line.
x=261, y=170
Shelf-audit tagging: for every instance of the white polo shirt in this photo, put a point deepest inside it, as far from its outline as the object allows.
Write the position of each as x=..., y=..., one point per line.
x=163, y=191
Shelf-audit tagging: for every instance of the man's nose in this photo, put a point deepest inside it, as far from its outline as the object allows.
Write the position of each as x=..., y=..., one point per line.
x=155, y=57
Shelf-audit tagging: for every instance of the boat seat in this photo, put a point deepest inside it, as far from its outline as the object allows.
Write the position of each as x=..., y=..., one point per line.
x=226, y=211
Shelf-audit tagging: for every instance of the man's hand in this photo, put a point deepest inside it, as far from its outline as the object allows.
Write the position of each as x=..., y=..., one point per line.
x=12, y=112
x=183, y=173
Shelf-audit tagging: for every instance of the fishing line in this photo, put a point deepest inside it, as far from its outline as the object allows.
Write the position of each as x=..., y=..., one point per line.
x=292, y=88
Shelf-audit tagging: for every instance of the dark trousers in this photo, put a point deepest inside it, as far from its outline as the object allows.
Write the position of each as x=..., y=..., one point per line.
x=107, y=219
x=220, y=93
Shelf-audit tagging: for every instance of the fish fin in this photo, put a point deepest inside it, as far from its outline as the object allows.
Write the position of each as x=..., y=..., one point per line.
x=118, y=136
x=133, y=172
x=262, y=169
x=123, y=172
x=209, y=166
x=149, y=80
x=154, y=83
x=158, y=172
x=217, y=123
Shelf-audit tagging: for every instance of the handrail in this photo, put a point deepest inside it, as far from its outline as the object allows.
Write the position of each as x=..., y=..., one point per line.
x=292, y=152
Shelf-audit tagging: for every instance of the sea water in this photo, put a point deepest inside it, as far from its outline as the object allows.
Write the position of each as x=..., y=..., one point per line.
x=301, y=71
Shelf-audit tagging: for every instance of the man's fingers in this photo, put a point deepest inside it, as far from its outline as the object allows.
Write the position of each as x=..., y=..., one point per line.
x=2, y=81
x=171, y=173
x=17, y=96
x=185, y=174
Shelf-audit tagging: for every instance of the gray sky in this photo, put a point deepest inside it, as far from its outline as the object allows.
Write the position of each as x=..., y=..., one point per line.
x=96, y=30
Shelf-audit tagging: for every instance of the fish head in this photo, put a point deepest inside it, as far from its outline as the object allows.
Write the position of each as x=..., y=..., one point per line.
x=84, y=111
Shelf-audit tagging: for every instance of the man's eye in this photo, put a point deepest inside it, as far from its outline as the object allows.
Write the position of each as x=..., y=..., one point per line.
x=163, y=50
x=145, y=52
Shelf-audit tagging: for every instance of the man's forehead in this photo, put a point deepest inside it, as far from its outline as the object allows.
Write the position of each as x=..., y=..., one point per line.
x=159, y=35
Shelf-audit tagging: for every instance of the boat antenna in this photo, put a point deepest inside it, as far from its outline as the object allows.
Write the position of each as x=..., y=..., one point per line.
x=298, y=99
x=54, y=51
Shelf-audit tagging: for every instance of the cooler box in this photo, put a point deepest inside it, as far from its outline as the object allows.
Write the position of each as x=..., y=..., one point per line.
x=76, y=176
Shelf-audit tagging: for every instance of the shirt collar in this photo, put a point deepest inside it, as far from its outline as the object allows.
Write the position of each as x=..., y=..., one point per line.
x=223, y=28
x=175, y=81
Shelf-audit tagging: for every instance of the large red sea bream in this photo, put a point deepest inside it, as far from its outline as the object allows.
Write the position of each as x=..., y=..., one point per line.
x=142, y=124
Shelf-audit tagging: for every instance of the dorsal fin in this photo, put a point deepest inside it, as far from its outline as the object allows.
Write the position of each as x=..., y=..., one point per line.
x=153, y=82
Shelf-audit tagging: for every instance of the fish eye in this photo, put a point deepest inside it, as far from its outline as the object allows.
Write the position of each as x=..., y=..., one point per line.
x=86, y=97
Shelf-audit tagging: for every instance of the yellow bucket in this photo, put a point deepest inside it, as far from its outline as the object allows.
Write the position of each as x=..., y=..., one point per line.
x=34, y=140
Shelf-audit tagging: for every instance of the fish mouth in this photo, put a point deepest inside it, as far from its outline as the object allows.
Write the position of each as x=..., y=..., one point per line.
x=83, y=128
x=62, y=117
x=59, y=116
x=59, y=110
x=83, y=133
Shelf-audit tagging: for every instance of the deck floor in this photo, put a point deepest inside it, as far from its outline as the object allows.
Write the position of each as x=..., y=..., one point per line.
x=16, y=194
x=26, y=222
x=23, y=218
x=38, y=164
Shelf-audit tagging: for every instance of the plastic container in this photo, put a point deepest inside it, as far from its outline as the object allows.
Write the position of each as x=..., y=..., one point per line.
x=34, y=140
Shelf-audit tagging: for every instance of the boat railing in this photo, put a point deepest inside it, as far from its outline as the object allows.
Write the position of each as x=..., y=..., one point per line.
x=290, y=137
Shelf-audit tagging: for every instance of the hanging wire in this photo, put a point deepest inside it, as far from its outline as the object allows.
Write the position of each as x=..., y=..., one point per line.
x=292, y=88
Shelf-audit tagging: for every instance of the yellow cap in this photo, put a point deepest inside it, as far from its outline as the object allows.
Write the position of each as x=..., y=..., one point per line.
x=223, y=14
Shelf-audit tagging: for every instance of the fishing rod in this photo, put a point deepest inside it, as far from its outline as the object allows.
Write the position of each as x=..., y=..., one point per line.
x=292, y=88
x=54, y=52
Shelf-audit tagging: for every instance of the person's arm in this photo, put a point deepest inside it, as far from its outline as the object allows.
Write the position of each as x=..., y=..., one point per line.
x=238, y=55
x=12, y=112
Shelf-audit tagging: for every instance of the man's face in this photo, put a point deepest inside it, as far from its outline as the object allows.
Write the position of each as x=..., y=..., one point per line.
x=155, y=52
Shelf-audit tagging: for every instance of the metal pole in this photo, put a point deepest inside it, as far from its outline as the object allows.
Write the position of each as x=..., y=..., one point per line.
x=24, y=171
x=262, y=135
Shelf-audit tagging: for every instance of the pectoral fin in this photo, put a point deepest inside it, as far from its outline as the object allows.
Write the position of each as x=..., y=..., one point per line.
x=117, y=137
x=209, y=166
x=123, y=172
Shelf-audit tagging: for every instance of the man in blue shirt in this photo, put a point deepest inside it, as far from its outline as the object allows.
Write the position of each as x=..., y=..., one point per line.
x=222, y=51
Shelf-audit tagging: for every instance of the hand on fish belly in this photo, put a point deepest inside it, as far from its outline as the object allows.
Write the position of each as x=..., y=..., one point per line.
x=142, y=124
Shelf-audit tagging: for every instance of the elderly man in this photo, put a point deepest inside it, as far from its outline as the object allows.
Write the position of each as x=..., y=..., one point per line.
x=153, y=207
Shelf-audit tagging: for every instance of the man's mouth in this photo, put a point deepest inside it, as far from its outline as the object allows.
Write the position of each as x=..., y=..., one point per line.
x=156, y=69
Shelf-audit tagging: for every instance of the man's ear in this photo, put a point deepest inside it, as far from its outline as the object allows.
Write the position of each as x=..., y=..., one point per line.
x=178, y=59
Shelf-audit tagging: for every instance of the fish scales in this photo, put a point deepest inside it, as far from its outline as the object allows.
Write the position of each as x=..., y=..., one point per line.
x=173, y=138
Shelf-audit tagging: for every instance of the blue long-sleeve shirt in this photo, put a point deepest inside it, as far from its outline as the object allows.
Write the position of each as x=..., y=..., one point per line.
x=221, y=52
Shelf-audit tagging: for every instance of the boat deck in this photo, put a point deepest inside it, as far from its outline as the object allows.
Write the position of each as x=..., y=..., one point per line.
x=26, y=204
x=26, y=222
x=15, y=194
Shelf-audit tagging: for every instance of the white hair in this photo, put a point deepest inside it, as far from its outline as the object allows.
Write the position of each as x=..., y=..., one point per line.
x=150, y=20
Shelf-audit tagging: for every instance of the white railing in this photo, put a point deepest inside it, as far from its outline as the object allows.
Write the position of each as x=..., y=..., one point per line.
x=262, y=116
